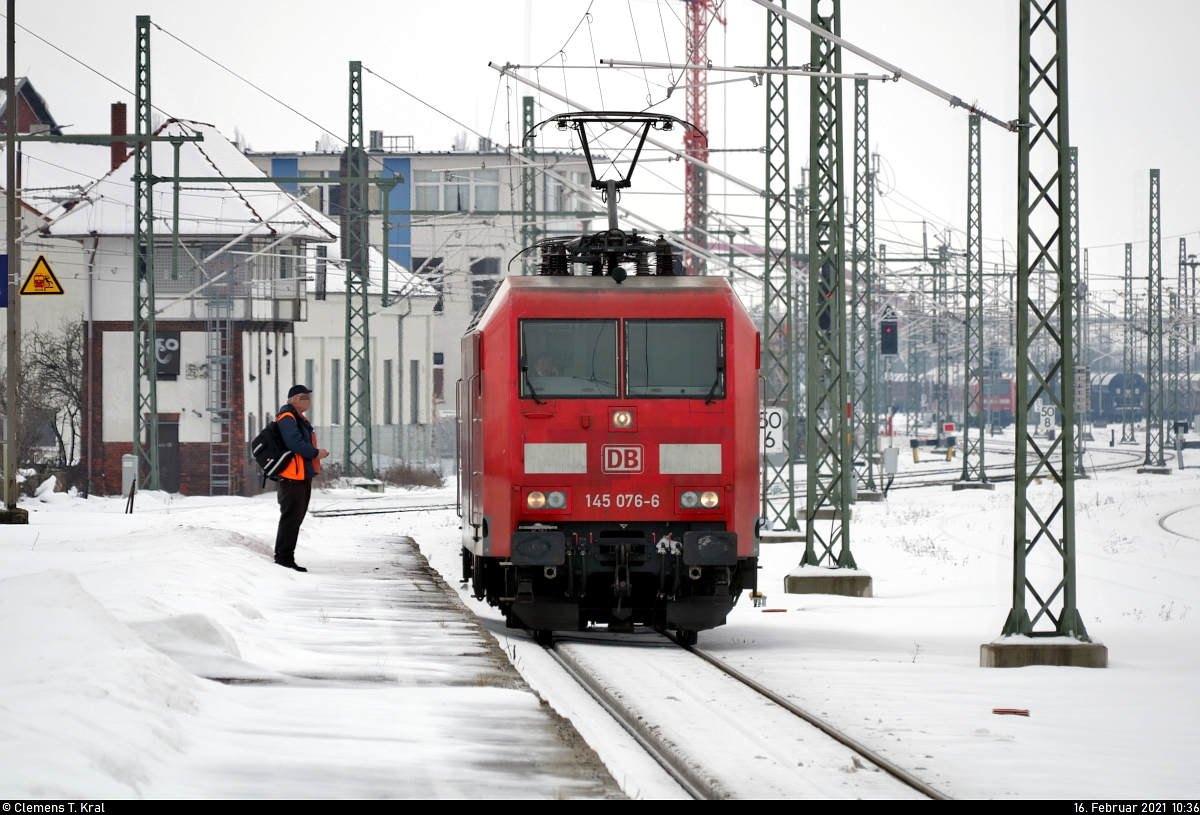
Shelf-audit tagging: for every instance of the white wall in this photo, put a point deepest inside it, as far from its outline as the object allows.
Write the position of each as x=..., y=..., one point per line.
x=187, y=397
x=117, y=391
x=400, y=334
x=266, y=376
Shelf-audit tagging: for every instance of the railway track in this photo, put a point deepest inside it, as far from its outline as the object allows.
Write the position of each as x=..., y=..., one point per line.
x=997, y=473
x=1162, y=523
x=681, y=754
x=1006, y=472
x=372, y=510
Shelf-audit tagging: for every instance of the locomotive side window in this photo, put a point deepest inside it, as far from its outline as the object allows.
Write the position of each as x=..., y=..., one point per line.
x=681, y=359
x=568, y=358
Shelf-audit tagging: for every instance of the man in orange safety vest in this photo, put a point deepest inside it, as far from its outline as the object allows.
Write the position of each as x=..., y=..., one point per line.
x=295, y=481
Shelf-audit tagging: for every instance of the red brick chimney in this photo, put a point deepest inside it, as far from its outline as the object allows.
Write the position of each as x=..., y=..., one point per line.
x=120, y=149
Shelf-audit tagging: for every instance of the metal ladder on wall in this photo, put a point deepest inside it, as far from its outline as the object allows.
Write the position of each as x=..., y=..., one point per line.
x=218, y=321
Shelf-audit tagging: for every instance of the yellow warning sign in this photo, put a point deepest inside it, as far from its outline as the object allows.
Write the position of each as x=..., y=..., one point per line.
x=42, y=280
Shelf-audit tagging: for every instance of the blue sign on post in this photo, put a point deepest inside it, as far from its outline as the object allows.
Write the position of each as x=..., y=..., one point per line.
x=4, y=277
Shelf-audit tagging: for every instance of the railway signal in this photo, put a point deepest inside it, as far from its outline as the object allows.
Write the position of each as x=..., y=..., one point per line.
x=889, y=338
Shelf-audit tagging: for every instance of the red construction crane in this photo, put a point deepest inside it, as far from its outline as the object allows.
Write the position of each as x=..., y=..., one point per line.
x=700, y=13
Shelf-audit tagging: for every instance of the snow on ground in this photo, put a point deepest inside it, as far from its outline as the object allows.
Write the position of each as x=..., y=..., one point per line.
x=359, y=679
x=363, y=678
x=900, y=671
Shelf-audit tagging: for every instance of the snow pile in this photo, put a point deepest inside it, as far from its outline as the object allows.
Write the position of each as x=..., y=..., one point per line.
x=199, y=644
x=329, y=681
x=83, y=692
x=45, y=488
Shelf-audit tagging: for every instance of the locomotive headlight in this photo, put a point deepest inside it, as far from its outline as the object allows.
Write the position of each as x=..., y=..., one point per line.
x=622, y=419
x=536, y=500
x=709, y=499
x=556, y=499
x=689, y=499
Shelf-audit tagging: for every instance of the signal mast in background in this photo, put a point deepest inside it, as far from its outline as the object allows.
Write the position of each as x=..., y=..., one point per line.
x=695, y=142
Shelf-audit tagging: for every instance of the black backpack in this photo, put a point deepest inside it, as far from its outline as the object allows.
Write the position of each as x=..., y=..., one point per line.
x=270, y=452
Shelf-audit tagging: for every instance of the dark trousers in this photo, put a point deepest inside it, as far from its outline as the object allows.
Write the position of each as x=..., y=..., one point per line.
x=293, y=505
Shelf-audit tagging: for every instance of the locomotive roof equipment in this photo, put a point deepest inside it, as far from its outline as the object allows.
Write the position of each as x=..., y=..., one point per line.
x=604, y=252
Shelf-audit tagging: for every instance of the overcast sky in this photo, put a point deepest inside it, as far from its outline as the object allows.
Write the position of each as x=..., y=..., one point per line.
x=1133, y=89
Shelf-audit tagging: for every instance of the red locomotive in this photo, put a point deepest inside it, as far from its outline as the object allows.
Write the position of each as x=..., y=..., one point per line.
x=608, y=442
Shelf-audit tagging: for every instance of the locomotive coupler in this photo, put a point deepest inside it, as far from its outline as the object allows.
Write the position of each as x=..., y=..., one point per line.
x=524, y=585
x=622, y=587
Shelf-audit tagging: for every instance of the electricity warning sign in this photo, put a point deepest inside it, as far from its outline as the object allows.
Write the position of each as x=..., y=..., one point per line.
x=41, y=279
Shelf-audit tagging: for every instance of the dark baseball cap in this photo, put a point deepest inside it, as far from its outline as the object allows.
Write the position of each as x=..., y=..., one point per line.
x=296, y=390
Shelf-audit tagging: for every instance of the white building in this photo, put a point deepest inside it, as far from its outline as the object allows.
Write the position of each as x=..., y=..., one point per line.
x=240, y=288
x=455, y=221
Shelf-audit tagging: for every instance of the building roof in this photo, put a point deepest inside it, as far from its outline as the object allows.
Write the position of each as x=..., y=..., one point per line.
x=37, y=105
x=103, y=203
x=401, y=282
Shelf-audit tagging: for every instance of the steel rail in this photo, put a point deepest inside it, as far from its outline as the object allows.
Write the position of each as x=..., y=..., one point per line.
x=996, y=474
x=826, y=728
x=1162, y=523
x=343, y=513
x=879, y=761
x=664, y=761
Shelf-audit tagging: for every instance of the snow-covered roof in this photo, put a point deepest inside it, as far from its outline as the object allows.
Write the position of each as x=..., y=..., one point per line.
x=401, y=281
x=105, y=202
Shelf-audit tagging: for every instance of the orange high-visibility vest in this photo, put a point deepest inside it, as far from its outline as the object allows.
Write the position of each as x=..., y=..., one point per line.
x=294, y=471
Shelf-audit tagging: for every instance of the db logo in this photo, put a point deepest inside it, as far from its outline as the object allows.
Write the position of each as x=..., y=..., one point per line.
x=624, y=459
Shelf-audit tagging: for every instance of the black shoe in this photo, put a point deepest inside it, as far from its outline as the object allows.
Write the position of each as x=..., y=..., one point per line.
x=291, y=565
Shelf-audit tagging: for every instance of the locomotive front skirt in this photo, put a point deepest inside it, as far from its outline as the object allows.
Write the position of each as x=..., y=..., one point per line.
x=608, y=452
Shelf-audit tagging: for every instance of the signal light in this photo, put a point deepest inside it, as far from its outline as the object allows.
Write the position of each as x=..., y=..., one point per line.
x=889, y=337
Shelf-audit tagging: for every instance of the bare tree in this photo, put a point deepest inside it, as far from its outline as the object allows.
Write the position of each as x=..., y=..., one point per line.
x=54, y=360
x=49, y=396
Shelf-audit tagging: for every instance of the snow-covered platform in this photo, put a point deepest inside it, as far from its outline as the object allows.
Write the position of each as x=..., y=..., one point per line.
x=164, y=654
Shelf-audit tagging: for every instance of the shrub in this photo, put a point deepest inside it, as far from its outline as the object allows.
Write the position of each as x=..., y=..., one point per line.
x=405, y=475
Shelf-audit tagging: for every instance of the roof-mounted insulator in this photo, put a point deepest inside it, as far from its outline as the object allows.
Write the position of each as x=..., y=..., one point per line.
x=664, y=259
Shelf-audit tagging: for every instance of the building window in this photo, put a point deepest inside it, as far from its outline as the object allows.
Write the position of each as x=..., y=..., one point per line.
x=439, y=380
x=485, y=275
x=427, y=188
x=310, y=370
x=580, y=201
x=435, y=276
x=387, y=391
x=414, y=376
x=335, y=391
x=322, y=254
x=555, y=194
x=456, y=190
x=487, y=189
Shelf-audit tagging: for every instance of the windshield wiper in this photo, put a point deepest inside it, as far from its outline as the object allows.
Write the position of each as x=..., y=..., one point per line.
x=708, y=400
x=525, y=373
